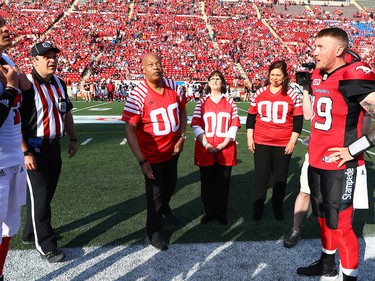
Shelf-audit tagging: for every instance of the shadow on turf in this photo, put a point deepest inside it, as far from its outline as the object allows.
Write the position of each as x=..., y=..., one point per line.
x=239, y=228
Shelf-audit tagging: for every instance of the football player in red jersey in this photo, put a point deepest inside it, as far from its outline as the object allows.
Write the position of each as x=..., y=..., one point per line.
x=341, y=93
x=273, y=125
x=215, y=123
x=156, y=119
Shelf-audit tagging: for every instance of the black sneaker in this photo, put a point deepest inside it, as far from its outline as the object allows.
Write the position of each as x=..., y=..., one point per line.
x=171, y=218
x=27, y=242
x=319, y=268
x=292, y=238
x=55, y=256
x=157, y=240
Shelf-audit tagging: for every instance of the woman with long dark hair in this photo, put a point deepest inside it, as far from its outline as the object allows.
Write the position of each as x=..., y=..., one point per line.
x=273, y=125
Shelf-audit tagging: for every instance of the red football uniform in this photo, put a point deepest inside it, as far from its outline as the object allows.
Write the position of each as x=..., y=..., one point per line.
x=274, y=116
x=157, y=119
x=215, y=119
x=336, y=96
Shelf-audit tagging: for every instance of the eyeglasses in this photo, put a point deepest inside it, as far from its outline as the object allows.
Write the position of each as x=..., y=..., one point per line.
x=215, y=79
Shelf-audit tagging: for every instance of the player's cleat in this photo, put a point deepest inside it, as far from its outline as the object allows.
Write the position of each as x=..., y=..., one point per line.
x=171, y=218
x=157, y=240
x=55, y=256
x=2, y=278
x=292, y=238
x=348, y=278
x=319, y=268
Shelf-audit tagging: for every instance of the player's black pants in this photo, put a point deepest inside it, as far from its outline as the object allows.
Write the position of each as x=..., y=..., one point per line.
x=41, y=188
x=270, y=160
x=215, y=183
x=159, y=192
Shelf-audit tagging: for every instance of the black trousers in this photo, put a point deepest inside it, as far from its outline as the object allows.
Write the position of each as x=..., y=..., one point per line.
x=159, y=193
x=270, y=160
x=41, y=188
x=215, y=183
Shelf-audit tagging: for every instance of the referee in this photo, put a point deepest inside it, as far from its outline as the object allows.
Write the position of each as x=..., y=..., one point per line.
x=46, y=117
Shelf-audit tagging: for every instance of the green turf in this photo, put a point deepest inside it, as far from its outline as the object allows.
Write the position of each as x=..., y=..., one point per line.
x=100, y=197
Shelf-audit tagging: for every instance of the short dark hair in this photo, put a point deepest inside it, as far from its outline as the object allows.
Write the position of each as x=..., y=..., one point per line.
x=222, y=78
x=335, y=32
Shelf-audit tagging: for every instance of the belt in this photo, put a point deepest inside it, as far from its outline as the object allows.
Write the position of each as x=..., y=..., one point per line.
x=50, y=141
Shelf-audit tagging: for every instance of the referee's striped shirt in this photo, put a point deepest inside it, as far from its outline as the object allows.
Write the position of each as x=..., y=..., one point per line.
x=44, y=110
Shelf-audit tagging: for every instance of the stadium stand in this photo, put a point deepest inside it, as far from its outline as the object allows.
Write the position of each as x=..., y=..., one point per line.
x=105, y=39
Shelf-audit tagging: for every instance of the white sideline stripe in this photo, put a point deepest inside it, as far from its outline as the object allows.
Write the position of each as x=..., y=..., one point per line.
x=86, y=141
x=124, y=141
x=96, y=105
x=251, y=260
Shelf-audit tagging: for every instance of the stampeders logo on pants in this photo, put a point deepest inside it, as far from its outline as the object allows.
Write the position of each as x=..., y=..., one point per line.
x=349, y=184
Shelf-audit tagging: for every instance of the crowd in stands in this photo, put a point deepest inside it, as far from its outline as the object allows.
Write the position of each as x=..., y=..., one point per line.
x=106, y=39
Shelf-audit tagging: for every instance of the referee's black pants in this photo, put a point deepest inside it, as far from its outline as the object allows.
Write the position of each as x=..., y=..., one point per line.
x=270, y=160
x=42, y=184
x=159, y=192
x=215, y=183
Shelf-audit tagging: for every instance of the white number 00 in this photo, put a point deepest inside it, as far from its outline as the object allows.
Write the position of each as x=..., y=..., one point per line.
x=168, y=119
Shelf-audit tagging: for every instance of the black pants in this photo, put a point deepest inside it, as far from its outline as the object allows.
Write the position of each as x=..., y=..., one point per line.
x=41, y=188
x=159, y=192
x=215, y=183
x=270, y=160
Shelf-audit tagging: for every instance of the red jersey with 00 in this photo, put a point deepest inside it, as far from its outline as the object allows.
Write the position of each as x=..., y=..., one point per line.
x=157, y=118
x=274, y=116
x=215, y=119
x=337, y=119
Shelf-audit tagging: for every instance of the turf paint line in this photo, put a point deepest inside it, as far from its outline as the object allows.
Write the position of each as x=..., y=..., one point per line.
x=86, y=141
x=88, y=107
x=124, y=141
x=240, y=261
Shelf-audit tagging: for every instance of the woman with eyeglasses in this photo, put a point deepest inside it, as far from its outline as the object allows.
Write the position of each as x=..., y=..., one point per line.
x=215, y=123
x=273, y=125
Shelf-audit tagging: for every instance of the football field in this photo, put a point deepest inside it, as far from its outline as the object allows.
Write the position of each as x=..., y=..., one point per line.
x=99, y=214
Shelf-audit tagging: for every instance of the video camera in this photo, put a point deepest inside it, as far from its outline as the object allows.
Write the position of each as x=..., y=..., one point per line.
x=304, y=77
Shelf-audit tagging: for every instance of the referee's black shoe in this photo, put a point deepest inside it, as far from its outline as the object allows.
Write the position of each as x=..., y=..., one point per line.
x=28, y=242
x=54, y=256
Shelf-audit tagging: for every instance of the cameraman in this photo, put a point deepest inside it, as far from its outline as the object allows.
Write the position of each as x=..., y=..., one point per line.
x=340, y=91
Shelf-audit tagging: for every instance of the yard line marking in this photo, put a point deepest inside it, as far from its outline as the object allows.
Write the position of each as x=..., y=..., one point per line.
x=242, y=109
x=96, y=105
x=86, y=141
x=124, y=141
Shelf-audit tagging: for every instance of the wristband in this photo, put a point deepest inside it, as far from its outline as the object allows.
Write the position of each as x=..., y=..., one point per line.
x=26, y=152
x=182, y=137
x=142, y=162
x=205, y=143
x=74, y=140
x=360, y=146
